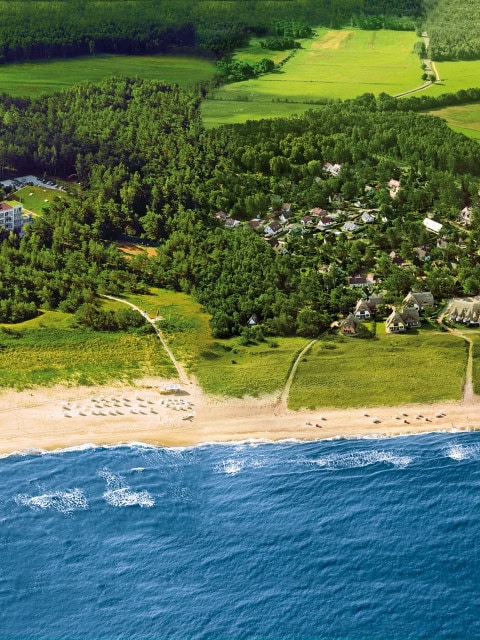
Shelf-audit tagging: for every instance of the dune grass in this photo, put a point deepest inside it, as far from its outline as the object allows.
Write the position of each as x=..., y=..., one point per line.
x=334, y=64
x=44, y=77
x=476, y=360
x=345, y=372
x=48, y=350
x=222, y=367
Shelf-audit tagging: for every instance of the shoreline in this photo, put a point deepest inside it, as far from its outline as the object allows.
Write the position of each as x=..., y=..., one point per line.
x=62, y=418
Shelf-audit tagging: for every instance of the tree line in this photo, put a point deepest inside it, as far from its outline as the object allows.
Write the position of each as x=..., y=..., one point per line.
x=63, y=28
x=452, y=26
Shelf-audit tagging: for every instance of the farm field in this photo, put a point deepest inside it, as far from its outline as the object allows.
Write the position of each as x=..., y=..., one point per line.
x=463, y=119
x=391, y=370
x=336, y=64
x=37, y=78
x=455, y=76
x=222, y=367
x=47, y=351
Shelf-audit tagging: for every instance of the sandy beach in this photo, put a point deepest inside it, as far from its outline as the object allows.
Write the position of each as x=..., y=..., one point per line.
x=62, y=417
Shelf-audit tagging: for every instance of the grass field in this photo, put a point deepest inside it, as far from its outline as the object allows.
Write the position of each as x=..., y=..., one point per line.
x=222, y=367
x=334, y=64
x=476, y=360
x=36, y=199
x=463, y=119
x=36, y=78
x=455, y=76
x=47, y=351
x=391, y=370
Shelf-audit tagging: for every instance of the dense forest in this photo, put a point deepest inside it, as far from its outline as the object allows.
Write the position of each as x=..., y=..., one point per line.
x=33, y=29
x=150, y=170
x=453, y=29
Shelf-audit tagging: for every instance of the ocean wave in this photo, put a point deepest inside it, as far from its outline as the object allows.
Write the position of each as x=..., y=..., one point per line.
x=119, y=494
x=461, y=452
x=359, y=459
x=63, y=501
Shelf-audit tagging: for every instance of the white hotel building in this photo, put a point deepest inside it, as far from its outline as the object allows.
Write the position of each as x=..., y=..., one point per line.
x=11, y=217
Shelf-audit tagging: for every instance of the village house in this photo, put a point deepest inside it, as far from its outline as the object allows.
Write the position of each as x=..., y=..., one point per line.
x=395, y=258
x=273, y=228
x=465, y=216
x=11, y=217
x=255, y=224
x=399, y=322
x=367, y=218
x=349, y=326
x=253, y=320
x=317, y=212
x=325, y=221
x=357, y=281
x=465, y=310
x=332, y=169
x=231, y=223
x=366, y=309
x=349, y=226
x=394, y=187
x=221, y=216
x=432, y=225
x=421, y=300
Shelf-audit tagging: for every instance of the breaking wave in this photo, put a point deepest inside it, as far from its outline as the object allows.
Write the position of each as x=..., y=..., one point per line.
x=119, y=494
x=63, y=501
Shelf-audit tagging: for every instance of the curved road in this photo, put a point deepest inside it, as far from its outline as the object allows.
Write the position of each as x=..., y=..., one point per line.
x=182, y=374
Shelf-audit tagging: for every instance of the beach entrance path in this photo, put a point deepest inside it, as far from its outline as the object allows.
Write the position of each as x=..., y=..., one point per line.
x=182, y=374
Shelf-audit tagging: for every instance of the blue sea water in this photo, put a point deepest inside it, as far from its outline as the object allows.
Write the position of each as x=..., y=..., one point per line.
x=357, y=539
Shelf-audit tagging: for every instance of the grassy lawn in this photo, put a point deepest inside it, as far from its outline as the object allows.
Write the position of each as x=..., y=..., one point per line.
x=36, y=78
x=463, y=119
x=393, y=369
x=47, y=351
x=222, y=367
x=36, y=199
x=335, y=64
x=476, y=360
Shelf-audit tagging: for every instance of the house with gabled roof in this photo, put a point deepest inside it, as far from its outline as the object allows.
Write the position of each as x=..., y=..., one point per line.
x=395, y=323
x=273, y=228
x=394, y=187
x=400, y=321
x=349, y=326
x=366, y=308
x=419, y=300
x=465, y=216
x=466, y=311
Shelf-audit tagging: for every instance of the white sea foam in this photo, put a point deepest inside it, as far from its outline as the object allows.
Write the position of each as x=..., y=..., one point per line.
x=358, y=459
x=119, y=494
x=463, y=452
x=63, y=501
x=231, y=467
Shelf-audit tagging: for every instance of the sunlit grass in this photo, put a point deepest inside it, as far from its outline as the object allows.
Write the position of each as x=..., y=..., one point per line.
x=392, y=369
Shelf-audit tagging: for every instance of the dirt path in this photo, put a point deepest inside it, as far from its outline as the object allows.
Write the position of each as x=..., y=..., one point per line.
x=182, y=374
x=430, y=67
x=283, y=401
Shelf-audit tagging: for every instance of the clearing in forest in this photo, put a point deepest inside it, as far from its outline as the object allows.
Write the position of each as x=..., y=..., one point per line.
x=463, y=119
x=40, y=77
x=334, y=64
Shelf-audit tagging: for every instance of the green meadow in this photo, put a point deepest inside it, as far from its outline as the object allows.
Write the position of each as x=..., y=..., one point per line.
x=335, y=64
x=463, y=119
x=455, y=76
x=37, y=78
x=343, y=372
x=222, y=367
x=37, y=199
x=48, y=350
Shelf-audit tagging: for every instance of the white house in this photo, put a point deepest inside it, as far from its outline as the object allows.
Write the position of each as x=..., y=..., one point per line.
x=367, y=217
x=349, y=226
x=11, y=216
x=332, y=169
x=432, y=225
x=394, y=187
x=273, y=229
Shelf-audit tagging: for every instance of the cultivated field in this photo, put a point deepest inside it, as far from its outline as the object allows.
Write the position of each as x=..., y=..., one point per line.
x=36, y=78
x=335, y=64
x=222, y=367
x=47, y=351
x=391, y=370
